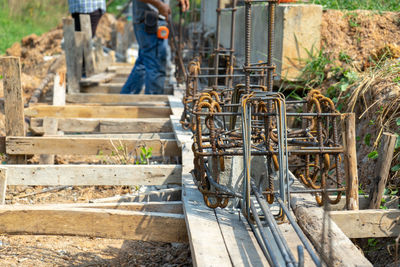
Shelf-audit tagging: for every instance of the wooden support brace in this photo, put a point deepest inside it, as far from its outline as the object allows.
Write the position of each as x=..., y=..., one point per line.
x=385, y=153
x=349, y=140
x=13, y=102
x=70, y=55
x=3, y=185
x=59, y=90
x=86, y=28
x=50, y=126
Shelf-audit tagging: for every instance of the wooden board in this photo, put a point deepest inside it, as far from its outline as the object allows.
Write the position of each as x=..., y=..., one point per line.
x=240, y=241
x=86, y=28
x=368, y=223
x=114, y=98
x=97, y=79
x=78, y=125
x=103, y=88
x=205, y=238
x=107, y=223
x=174, y=207
x=86, y=146
x=81, y=175
x=97, y=112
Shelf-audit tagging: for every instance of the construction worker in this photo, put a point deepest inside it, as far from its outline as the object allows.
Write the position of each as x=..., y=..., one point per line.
x=94, y=8
x=150, y=66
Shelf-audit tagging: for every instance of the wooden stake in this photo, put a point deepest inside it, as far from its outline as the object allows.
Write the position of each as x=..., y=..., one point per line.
x=86, y=29
x=382, y=169
x=50, y=126
x=13, y=102
x=70, y=55
x=59, y=90
x=3, y=185
x=349, y=139
x=78, y=56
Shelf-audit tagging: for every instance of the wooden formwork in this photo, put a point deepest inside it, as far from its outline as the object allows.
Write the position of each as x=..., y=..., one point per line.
x=107, y=122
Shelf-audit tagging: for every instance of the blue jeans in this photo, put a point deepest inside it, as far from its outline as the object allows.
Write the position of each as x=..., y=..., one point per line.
x=150, y=66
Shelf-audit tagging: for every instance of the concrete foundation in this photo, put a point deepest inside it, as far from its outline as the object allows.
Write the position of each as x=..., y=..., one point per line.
x=297, y=30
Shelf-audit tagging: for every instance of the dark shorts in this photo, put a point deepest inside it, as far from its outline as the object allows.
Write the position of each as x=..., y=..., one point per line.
x=95, y=17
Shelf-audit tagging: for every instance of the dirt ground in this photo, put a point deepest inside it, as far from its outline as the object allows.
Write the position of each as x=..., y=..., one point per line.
x=360, y=34
x=78, y=251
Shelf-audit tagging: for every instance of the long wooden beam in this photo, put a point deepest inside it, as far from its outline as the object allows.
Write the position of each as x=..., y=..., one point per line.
x=173, y=207
x=77, y=111
x=368, y=223
x=87, y=146
x=201, y=221
x=82, y=175
x=107, y=223
x=103, y=88
x=75, y=125
x=114, y=98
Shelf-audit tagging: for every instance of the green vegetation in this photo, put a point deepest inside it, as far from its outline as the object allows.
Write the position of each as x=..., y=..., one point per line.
x=19, y=18
x=379, y=5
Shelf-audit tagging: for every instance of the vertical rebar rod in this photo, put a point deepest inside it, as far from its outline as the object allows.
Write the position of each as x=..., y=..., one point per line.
x=271, y=35
x=216, y=46
x=248, y=43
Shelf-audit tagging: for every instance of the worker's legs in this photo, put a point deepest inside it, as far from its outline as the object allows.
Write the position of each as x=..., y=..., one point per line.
x=156, y=68
x=94, y=20
x=136, y=79
x=150, y=67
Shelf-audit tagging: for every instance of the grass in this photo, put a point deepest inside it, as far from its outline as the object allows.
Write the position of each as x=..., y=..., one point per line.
x=19, y=18
x=379, y=5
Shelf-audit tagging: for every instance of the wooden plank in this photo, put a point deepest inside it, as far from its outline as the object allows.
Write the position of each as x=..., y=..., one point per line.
x=107, y=223
x=378, y=186
x=349, y=140
x=59, y=90
x=50, y=126
x=70, y=56
x=3, y=185
x=114, y=98
x=144, y=126
x=144, y=136
x=169, y=194
x=240, y=241
x=86, y=28
x=82, y=175
x=103, y=88
x=77, y=125
x=368, y=223
x=13, y=101
x=85, y=146
x=174, y=207
x=78, y=55
x=201, y=221
x=97, y=79
x=96, y=112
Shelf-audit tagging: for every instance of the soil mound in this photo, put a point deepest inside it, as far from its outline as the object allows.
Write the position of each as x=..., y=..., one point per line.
x=359, y=33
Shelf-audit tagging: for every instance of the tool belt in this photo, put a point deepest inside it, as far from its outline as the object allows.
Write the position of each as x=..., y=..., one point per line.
x=151, y=22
